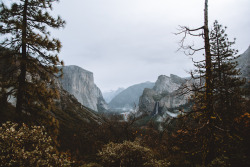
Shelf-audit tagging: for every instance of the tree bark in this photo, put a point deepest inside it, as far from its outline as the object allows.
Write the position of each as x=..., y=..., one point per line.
x=208, y=88
x=208, y=59
x=23, y=68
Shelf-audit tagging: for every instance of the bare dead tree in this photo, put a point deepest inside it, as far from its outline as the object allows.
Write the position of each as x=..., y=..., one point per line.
x=190, y=50
x=203, y=92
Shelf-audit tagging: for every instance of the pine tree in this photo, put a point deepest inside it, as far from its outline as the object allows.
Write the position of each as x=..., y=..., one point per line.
x=24, y=25
x=208, y=69
x=215, y=128
x=201, y=32
x=227, y=91
x=203, y=93
x=217, y=96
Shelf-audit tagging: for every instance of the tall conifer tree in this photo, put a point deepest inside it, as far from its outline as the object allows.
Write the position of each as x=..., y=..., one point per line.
x=215, y=129
x=24, y=25
x=227, y=91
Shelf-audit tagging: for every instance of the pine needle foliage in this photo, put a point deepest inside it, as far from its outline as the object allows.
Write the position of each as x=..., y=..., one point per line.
x=227, y=84
x=24, y=25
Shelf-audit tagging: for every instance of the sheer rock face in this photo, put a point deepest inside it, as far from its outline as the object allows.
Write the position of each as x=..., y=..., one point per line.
x=147, y=101
x=166, y=92
x=80, y=83
x=244, y=65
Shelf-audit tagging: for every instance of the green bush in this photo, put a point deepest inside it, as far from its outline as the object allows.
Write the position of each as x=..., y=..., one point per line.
x=221, y=161
x=23, y=146
x=128, y=154
x=91, y=165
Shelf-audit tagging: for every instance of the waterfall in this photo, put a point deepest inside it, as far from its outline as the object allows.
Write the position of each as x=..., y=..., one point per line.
x=157, y=108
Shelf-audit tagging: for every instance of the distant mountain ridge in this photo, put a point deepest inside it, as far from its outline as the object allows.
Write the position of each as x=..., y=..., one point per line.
x=80, y=83
x=129, y=97
x=109, y=95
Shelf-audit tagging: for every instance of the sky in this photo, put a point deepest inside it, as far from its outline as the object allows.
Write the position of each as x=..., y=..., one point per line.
x=126, y=42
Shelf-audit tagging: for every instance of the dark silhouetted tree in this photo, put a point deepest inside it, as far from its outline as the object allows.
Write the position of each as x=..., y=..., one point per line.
x=214, y=133
x=7, y=75
x=217, y=94
x=24, y=24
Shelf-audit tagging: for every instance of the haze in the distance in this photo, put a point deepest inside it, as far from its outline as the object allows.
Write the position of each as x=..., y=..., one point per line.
x=124, y=42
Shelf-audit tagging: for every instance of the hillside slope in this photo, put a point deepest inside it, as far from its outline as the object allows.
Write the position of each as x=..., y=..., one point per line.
x=129, y=97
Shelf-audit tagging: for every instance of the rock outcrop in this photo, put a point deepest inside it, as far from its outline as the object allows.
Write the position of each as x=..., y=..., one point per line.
x=165, y=92
x=168, y=84
x=244, y=65
x=80, y=83
x=69, y=110
x=147, y=100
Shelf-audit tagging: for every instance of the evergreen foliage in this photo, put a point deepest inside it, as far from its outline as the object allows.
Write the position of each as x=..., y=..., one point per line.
x=7, y=75
x=24, y=26
x=215, y=132
x=227, y=84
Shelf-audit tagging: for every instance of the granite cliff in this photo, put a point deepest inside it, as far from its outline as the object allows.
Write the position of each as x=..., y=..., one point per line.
x=244, y=65
x=80, y=83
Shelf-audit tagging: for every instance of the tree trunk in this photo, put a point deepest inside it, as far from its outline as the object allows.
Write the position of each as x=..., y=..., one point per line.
x=208, y=59
x=23, y=62
x=208, y=88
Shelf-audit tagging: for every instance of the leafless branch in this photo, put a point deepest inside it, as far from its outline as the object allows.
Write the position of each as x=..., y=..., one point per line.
x=189, y=49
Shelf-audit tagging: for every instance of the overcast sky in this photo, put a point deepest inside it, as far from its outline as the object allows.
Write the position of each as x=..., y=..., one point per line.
x=125, y=42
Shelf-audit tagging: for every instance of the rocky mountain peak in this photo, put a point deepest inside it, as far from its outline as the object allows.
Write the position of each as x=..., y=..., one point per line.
x=167, y=84
x=177, y=79
x=164, y=95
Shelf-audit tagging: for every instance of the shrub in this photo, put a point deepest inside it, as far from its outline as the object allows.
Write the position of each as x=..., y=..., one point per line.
x=221, y=161
x=128, y=154
x=26, y=146
x=91, y=165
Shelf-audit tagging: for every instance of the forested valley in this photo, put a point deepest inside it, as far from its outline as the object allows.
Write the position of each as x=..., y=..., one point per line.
x=44, y=125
